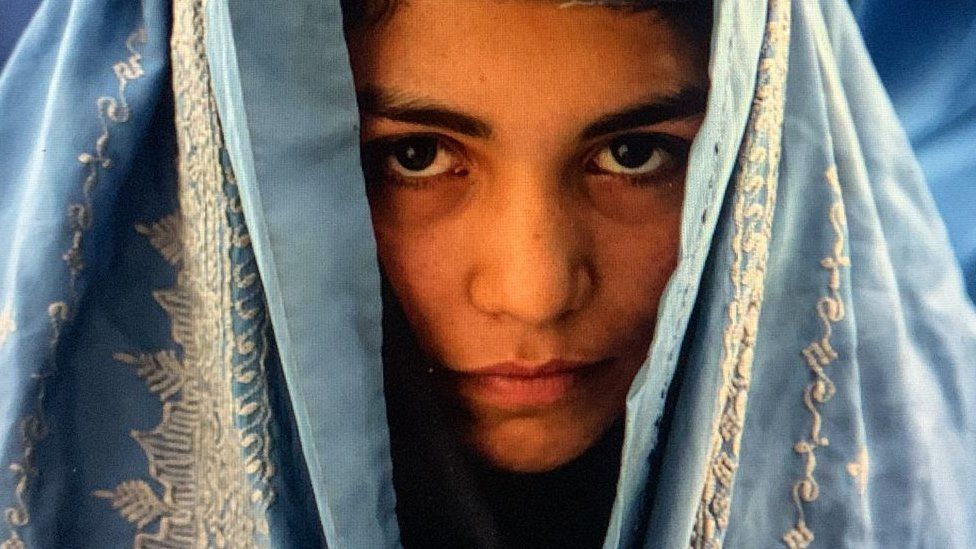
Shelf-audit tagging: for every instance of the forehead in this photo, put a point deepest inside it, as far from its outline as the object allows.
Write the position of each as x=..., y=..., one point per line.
x=478, y=54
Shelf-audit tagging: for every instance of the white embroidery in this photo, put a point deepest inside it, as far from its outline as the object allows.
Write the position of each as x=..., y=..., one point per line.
x=754, y=203
x=211, y=449
x=860, y=469
x=7, y=324
x=111, y=110
x=818, y=355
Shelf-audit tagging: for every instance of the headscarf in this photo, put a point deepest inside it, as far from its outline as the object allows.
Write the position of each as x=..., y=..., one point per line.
x=924, y=58
x=190, y=308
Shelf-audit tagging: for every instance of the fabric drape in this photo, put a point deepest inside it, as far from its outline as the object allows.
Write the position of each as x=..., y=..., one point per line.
x=191, y=311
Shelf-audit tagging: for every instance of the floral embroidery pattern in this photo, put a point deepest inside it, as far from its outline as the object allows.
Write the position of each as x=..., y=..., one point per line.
x=755, y=199
x=211, y=449
x=111, y=111
x=818, y=355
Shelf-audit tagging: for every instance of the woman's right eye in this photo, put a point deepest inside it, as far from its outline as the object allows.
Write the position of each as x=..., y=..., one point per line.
x=418, y=156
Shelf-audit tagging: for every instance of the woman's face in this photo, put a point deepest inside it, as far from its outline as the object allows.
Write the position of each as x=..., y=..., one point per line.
x=525, y=165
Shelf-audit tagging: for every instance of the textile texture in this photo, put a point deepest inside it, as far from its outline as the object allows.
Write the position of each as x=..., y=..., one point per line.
x=191, y=310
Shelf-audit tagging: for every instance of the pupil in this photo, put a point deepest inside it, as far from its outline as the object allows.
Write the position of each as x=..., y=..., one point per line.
x=417, y=153
x=632, y=151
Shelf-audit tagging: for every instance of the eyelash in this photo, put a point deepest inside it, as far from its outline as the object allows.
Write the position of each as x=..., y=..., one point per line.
x=375, y=153
x=677, y=148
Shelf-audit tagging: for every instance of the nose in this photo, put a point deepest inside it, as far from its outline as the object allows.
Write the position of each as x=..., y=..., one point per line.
x=534, y=265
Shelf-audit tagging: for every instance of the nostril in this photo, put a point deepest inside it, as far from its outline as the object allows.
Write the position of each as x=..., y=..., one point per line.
x=585, y=283
x=540, y=294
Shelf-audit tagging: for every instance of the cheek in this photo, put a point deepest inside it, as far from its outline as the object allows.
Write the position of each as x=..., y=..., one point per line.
x=650, y=211
x=425, y=273
x=404, y=209
x=636, y=263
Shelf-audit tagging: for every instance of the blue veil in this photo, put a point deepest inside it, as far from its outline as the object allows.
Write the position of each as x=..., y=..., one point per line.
x=190, y=300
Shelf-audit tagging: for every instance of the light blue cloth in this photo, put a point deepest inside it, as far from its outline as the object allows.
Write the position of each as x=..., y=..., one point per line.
x=815, y=341
x=925, y=57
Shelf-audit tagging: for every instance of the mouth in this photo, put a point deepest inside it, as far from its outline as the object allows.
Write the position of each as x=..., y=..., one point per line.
x=522, y=385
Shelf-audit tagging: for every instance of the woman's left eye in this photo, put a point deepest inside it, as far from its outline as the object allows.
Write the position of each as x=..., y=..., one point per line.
x=418, y=156
x=633, y=155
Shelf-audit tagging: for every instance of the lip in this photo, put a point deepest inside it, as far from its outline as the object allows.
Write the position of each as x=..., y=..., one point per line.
x=520, y=385
x=532, y=369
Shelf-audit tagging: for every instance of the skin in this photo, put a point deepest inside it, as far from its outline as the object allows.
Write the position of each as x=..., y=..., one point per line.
x=525, y=240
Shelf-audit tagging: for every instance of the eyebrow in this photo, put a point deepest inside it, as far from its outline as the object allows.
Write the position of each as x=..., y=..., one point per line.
x=687, y=102
x=401, y=107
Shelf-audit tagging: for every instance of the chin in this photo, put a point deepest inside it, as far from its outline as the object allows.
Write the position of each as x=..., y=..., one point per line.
x=533, y=444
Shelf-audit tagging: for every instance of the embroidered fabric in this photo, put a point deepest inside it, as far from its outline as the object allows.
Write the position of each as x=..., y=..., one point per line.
x=190, y=311
x=111, y=111
x=754, y=202
x=211, y=451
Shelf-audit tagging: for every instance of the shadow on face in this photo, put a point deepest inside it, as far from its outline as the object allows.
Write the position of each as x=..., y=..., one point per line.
x=525, y=166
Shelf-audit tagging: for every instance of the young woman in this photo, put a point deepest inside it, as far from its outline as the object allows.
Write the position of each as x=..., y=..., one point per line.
x=474, y=273
x=525, y=165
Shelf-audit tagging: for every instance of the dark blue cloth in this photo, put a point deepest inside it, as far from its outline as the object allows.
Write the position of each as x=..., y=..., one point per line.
x=14, y=16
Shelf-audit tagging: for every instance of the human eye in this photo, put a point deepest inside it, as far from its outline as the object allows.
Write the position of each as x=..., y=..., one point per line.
x=640, y=158
x=410, y=160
